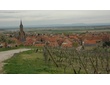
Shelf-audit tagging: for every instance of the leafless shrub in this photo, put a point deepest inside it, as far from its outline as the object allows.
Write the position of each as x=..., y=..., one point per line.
x=83, y=61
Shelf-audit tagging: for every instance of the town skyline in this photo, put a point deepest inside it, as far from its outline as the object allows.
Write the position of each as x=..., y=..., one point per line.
x=11, y=18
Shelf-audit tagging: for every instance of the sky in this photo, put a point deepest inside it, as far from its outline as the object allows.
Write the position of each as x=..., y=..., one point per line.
x=11, y=18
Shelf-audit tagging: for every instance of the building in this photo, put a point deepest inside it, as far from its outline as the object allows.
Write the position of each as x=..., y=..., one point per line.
x=22, y=36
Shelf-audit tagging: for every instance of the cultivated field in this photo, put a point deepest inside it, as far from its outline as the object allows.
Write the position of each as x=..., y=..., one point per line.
x=60, y=61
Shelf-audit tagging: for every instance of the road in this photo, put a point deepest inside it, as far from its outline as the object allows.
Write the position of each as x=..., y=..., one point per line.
x=4, y=55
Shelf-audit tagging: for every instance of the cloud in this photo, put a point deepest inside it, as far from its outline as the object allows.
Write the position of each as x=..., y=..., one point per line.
x=10, y=11
x=38, y=17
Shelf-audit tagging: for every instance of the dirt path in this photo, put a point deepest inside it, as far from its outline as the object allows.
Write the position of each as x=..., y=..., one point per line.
x=4, y=55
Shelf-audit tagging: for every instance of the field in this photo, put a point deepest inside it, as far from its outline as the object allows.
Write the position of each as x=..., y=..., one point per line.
x=58, y=61
x=28, y=63
x=68, y=31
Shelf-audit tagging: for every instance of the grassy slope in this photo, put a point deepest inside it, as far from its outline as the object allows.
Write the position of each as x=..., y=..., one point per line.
x=29, y=62
x=6, y=49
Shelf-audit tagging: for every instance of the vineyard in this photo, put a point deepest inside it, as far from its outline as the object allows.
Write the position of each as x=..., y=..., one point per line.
x=95, y=61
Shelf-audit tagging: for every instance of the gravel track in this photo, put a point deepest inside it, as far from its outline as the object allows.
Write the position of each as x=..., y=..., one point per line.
x=4, y=55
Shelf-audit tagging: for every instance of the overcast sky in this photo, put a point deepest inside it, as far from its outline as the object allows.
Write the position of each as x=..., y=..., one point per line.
x=39, y=18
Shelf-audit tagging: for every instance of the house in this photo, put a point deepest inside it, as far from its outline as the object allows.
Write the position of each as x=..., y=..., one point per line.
x=92, y=42
x=60, y=41
x=53, y=42
x=67, y=43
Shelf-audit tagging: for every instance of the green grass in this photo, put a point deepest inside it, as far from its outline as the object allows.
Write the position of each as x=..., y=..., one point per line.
x=12, y=48
x=5, y=49
x=29, y=62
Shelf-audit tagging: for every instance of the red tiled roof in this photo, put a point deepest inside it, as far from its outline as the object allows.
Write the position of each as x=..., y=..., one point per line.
x=60, y=41
x=73, y=37
x=53, y=44
x=67, y=43
x=90, y=41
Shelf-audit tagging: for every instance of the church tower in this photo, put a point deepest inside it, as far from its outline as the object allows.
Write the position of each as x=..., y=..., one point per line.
x=21, y=26
x=22, y=36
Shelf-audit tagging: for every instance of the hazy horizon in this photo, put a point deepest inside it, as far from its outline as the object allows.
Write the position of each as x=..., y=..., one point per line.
x=11, y=18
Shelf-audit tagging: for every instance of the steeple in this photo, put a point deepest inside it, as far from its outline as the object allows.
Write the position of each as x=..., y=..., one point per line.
x=21, y=25
x=21, y=33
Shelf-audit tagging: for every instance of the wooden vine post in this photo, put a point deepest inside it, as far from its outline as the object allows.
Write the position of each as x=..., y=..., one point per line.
x=51, y=56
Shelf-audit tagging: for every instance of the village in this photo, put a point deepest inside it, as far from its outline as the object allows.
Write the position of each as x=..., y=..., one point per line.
x=84, y=39
x=60, y=52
